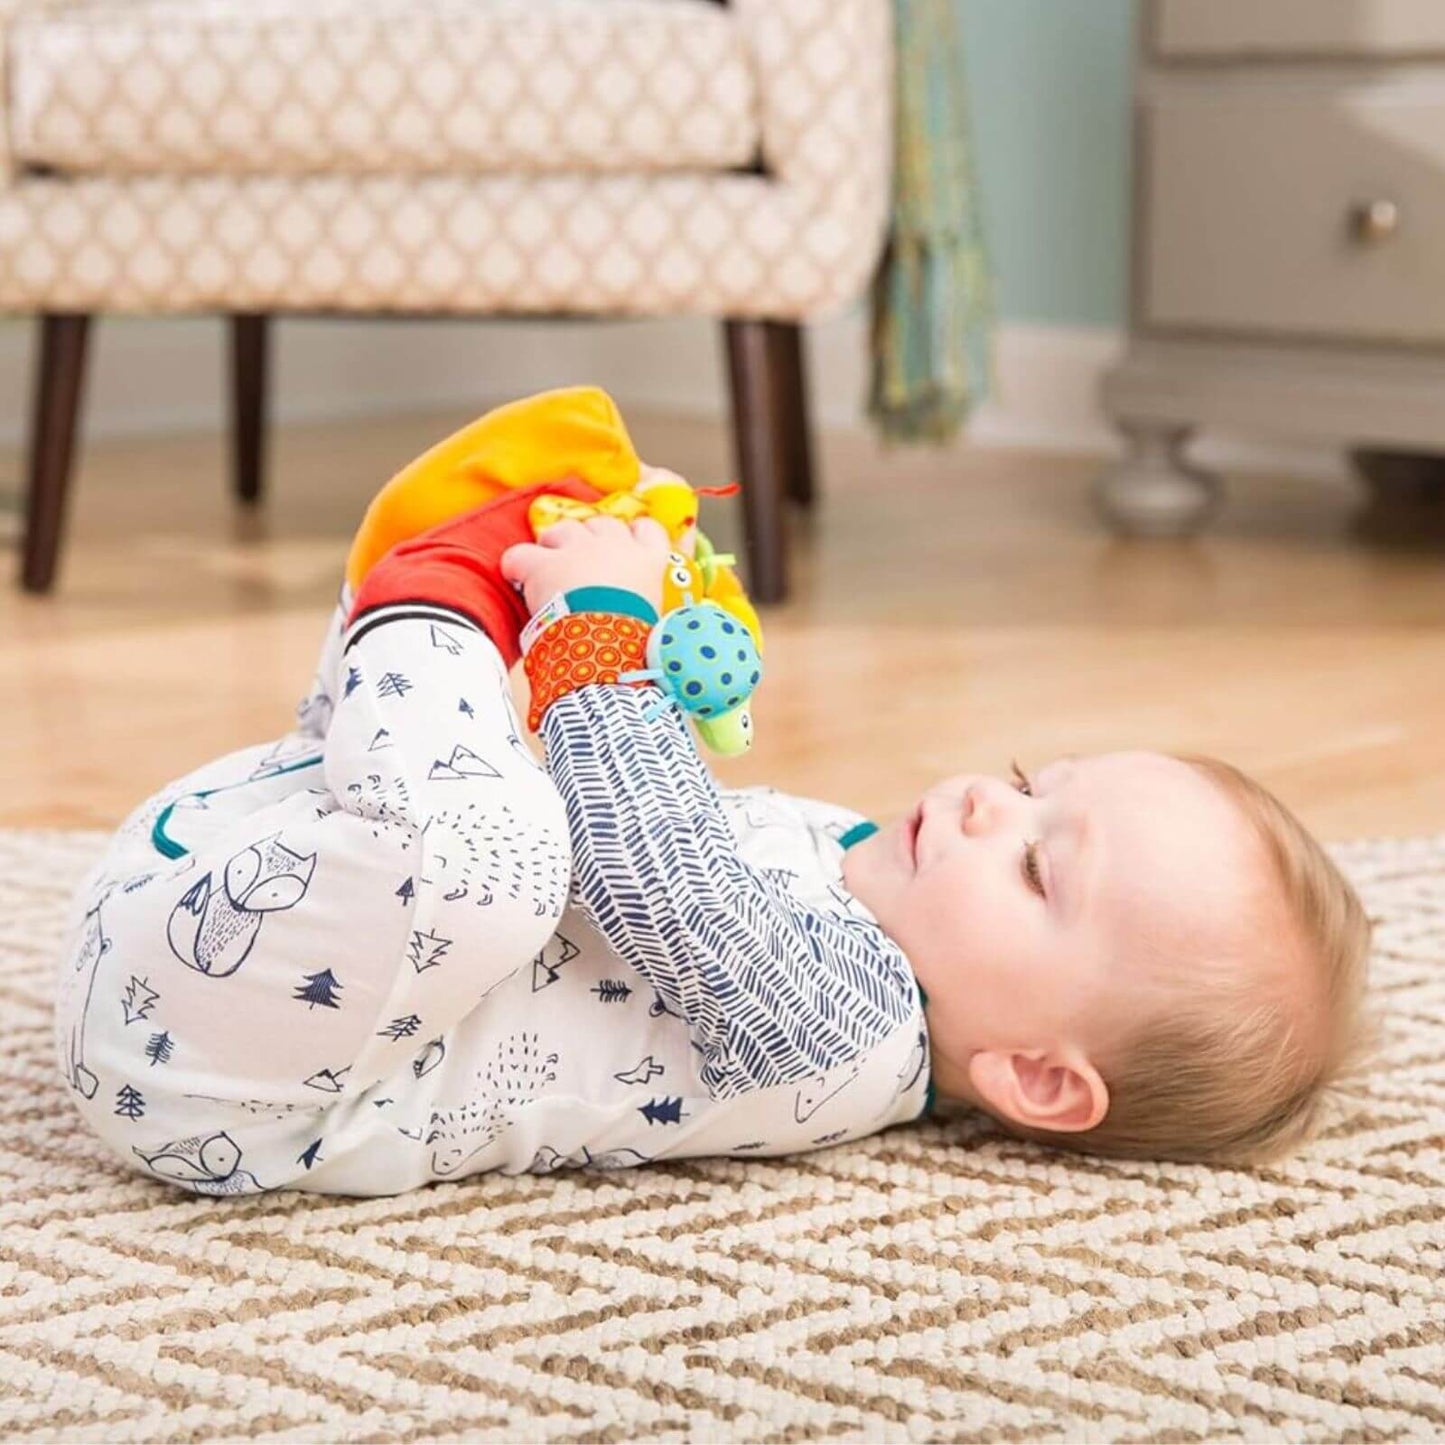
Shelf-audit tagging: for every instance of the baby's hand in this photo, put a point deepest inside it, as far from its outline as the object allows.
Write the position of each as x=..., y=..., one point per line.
x=600, y=552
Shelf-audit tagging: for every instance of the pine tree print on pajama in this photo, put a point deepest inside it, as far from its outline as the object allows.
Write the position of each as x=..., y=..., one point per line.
x=350, y=961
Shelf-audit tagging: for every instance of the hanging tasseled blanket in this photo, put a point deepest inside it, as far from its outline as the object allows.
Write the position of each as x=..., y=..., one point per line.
x=932, y=310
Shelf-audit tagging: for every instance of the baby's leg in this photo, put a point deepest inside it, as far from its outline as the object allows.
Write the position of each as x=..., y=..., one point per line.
x=313, y=712
x=425, y=746
x=305, y=948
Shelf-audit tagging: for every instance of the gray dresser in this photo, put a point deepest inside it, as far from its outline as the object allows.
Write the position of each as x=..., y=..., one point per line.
x=1289, y=247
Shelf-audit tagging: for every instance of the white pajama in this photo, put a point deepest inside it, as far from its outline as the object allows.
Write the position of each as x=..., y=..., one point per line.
x=391, y=947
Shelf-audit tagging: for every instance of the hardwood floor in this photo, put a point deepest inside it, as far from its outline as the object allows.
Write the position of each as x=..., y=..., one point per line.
x=949, y=611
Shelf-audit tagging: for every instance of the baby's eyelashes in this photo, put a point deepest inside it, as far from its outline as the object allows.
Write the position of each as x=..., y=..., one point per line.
x=1032, y=871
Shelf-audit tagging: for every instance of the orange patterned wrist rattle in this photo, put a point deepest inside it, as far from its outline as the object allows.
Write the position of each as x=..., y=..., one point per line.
x=583, y=648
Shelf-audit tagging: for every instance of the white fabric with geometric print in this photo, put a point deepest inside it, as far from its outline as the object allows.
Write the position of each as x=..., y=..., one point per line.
x=346, y=961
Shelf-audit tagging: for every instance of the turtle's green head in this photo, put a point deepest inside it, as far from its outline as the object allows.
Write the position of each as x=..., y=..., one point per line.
x=730, y=734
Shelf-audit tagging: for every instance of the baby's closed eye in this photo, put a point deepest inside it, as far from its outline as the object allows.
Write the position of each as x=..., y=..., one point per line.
x=1033, y=873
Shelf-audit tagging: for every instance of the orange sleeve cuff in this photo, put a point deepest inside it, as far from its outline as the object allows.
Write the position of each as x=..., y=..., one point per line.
x=582, y=649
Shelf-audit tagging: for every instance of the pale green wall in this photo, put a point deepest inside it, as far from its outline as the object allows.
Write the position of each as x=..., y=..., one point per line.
x=1049, y=83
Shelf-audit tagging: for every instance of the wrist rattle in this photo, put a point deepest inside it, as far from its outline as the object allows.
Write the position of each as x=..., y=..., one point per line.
x=702, y=658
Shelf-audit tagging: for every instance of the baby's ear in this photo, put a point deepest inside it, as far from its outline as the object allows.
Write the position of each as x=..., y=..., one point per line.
x=1040, y=1088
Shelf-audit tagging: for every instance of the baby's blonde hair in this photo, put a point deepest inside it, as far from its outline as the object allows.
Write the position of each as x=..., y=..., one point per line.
x=1230, y=1071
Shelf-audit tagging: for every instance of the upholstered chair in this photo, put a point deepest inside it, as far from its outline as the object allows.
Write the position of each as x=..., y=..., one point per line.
x=254, y=158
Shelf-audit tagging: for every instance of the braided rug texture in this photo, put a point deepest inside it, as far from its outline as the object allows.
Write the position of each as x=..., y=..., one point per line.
x=931, y=1283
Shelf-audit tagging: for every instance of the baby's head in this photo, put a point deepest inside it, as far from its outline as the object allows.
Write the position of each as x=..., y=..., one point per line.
x=1128, y=954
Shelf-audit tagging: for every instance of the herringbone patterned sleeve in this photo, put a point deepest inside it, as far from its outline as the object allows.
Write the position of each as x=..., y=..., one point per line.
x=772, y=990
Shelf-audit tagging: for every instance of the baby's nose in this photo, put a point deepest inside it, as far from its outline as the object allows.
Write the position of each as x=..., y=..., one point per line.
x=975, y=811
x=986, y=804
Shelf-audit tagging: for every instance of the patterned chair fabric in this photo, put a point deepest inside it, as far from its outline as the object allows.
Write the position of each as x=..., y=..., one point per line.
x=582, y=156
x=206, y=87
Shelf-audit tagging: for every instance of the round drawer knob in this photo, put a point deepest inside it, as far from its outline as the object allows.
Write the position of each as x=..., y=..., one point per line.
x=1373, y=222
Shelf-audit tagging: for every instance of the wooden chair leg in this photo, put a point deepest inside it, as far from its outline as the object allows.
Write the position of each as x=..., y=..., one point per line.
x=59, y=377
x=249, y=337
x=758, y=419
x=797, y=427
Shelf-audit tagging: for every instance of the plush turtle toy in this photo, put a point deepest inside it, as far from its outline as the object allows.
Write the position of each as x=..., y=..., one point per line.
x=706, y=663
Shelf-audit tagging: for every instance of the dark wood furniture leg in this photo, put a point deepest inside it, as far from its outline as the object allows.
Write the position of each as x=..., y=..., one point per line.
x=758, y=411
x=59, y=376
x=249, y=336
x=797, y=429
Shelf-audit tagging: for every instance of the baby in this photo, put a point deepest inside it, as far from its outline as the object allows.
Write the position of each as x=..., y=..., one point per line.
x=391, y=948
x=1128, y=954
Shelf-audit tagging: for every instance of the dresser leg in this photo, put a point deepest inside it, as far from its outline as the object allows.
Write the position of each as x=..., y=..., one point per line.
x=1154, y=491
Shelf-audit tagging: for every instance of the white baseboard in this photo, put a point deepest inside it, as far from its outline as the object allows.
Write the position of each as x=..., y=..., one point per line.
x=152, y=375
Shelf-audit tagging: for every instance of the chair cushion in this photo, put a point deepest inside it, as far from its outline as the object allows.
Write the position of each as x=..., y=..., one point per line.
x=268, y=87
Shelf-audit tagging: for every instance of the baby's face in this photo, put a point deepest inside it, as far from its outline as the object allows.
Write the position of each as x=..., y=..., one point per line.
x=1030, y=909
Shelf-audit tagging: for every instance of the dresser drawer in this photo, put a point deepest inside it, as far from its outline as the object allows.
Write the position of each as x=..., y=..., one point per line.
x=1219, y=29
x=1253, y=220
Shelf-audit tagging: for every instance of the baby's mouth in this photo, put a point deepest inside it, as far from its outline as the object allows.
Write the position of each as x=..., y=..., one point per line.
x=910, y=835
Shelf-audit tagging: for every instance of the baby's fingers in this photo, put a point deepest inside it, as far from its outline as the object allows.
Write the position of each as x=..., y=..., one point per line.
x=652, y=533
x=559, y=534
x=603, y=525
x=519, y=561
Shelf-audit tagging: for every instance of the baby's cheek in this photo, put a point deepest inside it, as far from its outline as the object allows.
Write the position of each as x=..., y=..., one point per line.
x=968, y=894
x=959, y=915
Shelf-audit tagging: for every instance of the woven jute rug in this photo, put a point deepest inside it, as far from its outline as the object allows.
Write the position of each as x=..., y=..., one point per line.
x=931, y=1283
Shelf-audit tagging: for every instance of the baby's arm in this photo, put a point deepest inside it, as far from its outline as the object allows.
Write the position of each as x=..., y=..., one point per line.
x=772, y=990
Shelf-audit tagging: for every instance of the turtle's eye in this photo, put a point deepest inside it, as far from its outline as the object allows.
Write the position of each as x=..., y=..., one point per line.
x=681, y=577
